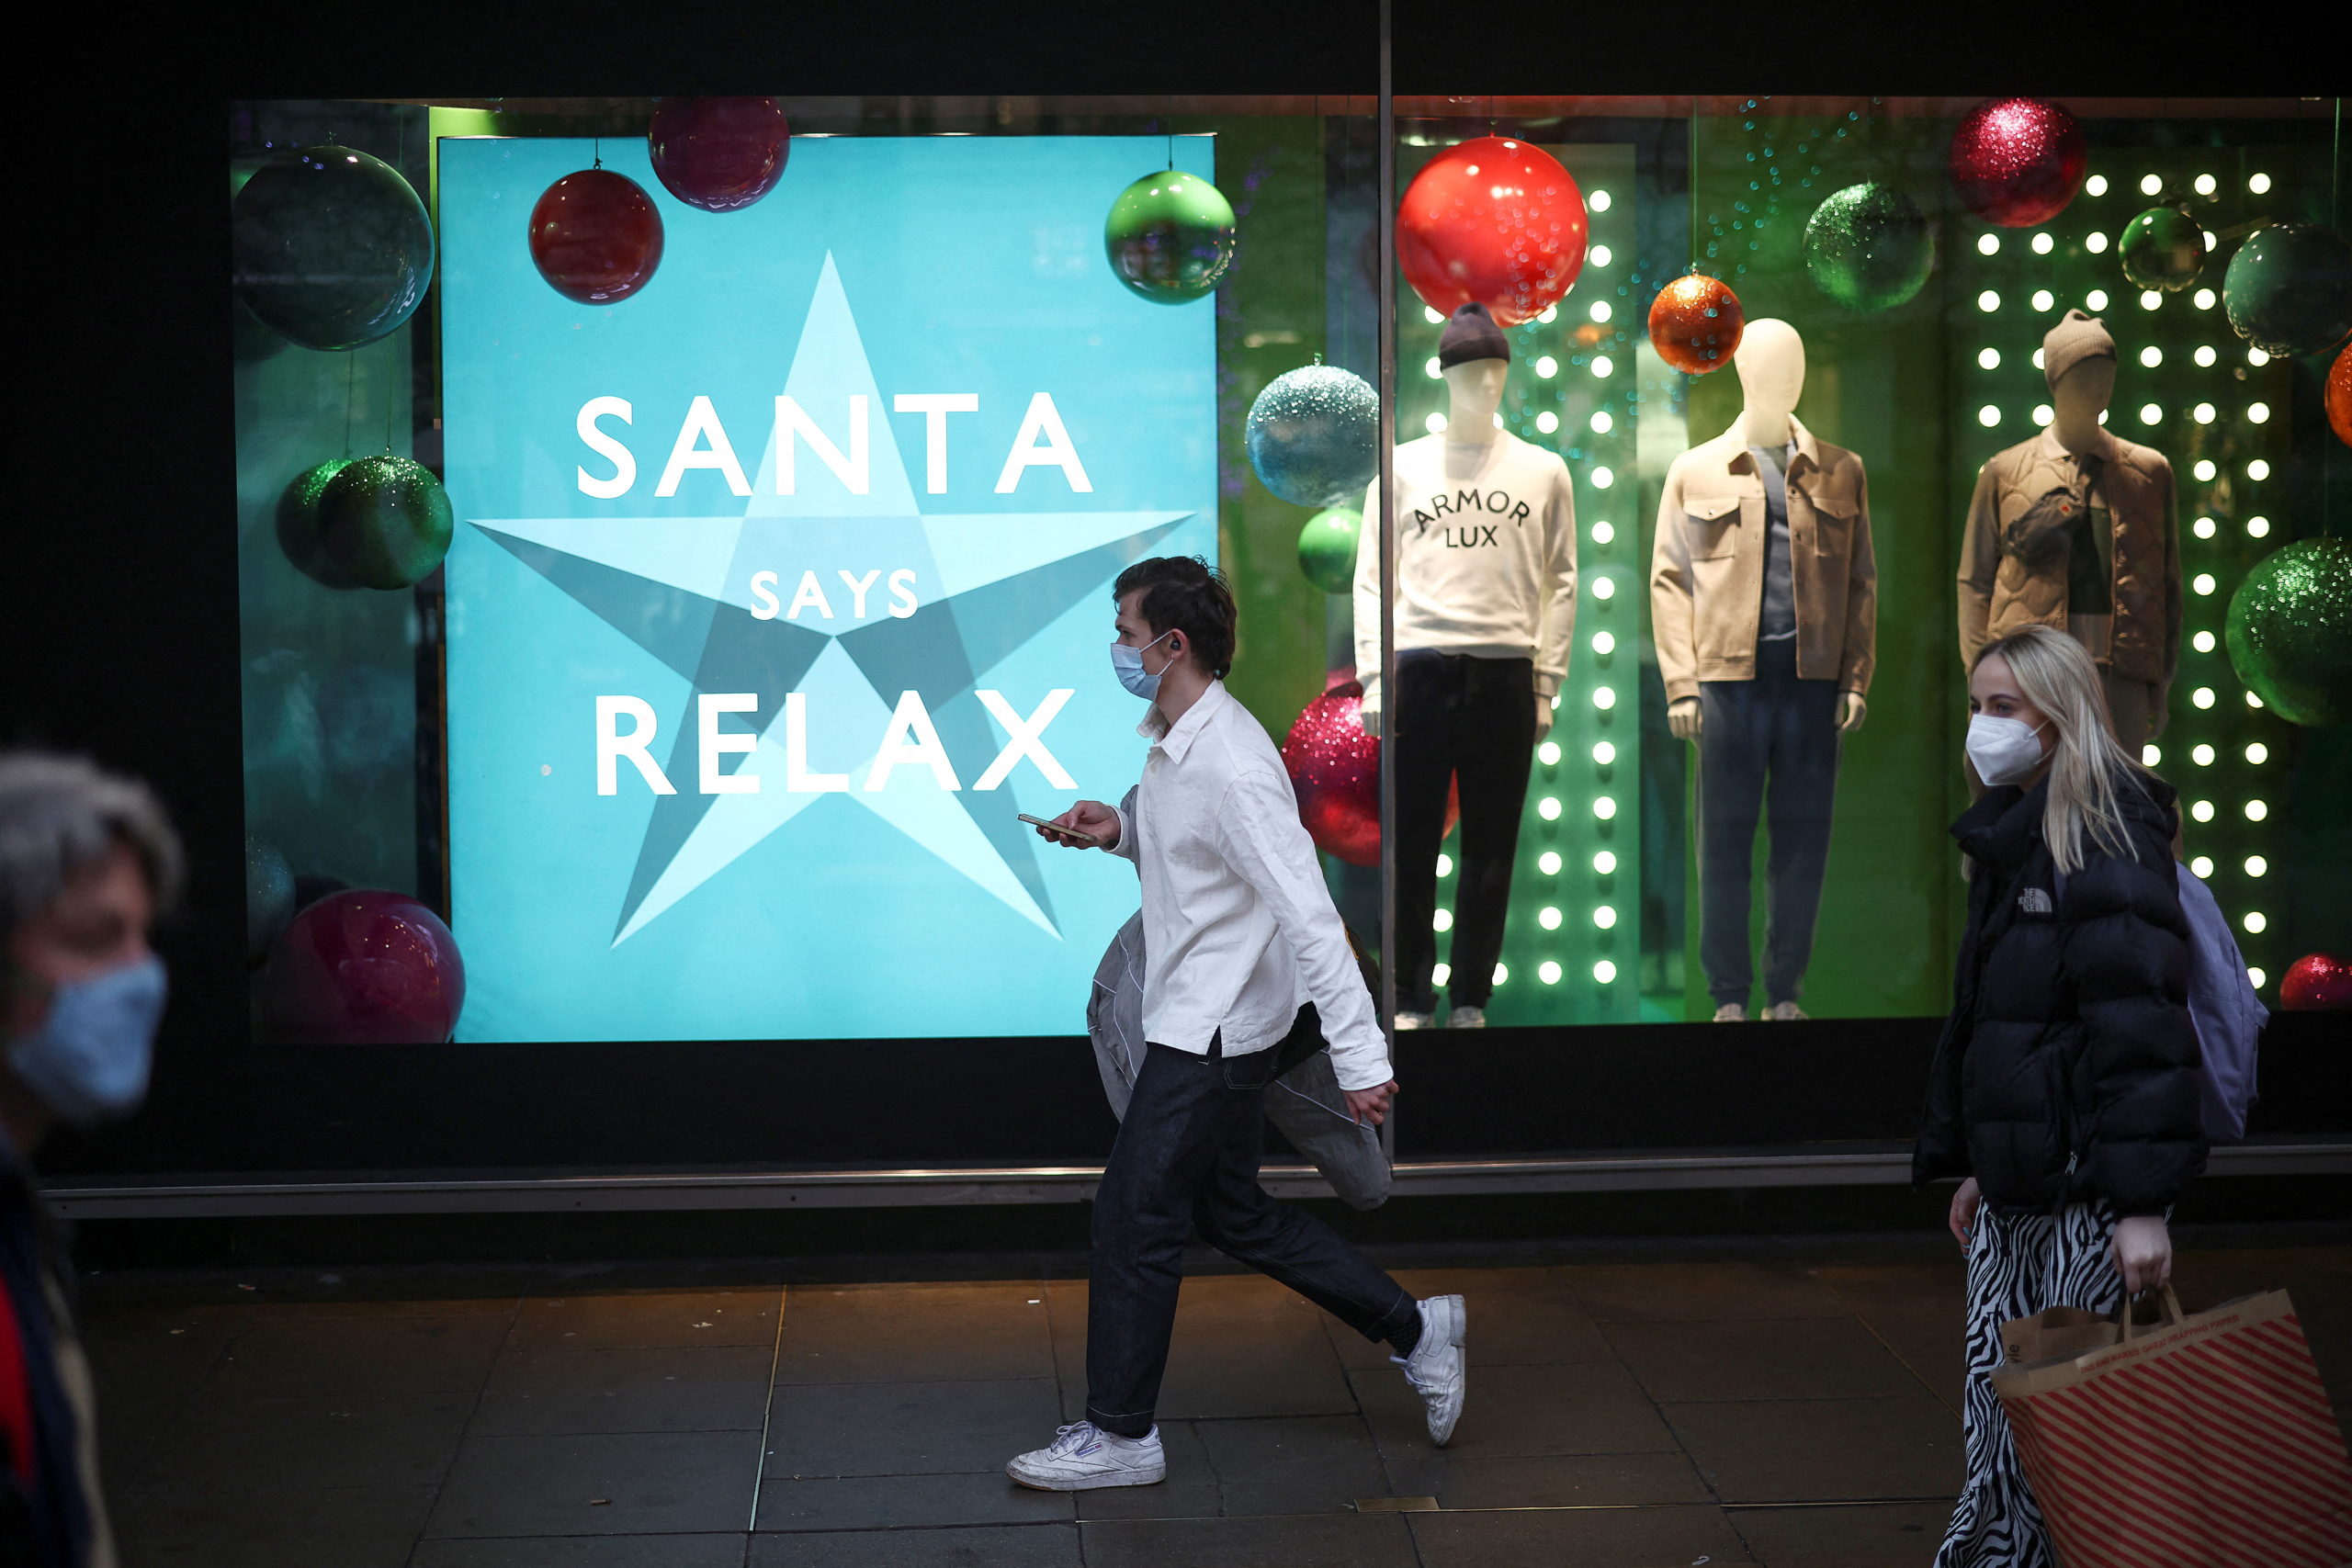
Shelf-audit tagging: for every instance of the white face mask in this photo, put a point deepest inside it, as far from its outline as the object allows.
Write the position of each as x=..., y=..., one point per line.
x=2006, y=750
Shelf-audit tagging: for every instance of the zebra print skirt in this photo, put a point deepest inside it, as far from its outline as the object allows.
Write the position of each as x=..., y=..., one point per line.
x=2018, y=1265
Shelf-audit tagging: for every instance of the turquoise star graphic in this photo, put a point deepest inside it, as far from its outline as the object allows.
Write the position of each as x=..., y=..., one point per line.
x=678, y=587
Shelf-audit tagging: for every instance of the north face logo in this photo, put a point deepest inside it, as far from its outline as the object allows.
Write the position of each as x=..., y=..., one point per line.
x=2034, y=901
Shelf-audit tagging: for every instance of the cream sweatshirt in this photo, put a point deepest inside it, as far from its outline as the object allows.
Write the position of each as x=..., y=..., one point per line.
x=1485, y=558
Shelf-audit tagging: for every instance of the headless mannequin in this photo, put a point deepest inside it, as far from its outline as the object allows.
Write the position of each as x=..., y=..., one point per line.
x=2078, y=399
x=1476, y=393
x=1771, y=365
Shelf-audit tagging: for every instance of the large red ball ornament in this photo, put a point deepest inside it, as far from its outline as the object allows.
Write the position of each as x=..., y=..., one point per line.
x=2018, y=162
x=364, y=968
x=2339, y=396
x=1493, y=221
x=1335, y=772
x=721, y=154
x=2317, y=982
x=1696, y=322
x=595, y=237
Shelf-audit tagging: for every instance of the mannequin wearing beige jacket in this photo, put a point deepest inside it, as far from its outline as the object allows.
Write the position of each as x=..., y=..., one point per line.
x=1764, y=608
x=2075, y=528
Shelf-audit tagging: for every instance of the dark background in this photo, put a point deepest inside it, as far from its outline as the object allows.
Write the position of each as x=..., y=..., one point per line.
x=117, y=587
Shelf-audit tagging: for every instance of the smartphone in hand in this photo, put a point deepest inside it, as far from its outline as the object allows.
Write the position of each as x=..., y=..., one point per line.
x=1070, y=833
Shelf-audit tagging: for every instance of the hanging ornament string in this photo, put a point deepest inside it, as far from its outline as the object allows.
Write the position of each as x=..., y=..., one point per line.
x=1168, y=124
x=596, y=152
x=350, y=395
x=391, y=370
x=1692, y=177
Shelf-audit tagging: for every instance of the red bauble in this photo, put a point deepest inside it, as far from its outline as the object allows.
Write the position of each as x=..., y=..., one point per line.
x=721, y=154
x=2317, y=982
x=1695, y=324
x=1493, y=221
x=1335, y=772
x=2339, y=395
x=2018, y=162
x=362, y=968
x=595, y=237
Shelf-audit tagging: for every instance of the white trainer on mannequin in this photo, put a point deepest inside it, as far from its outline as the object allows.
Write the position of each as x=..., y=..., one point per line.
x=1764, y=603
x=1485, y=607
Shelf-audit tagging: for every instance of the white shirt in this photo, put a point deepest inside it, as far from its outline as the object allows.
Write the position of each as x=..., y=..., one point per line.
x=1486, y=557
x=1238, y=928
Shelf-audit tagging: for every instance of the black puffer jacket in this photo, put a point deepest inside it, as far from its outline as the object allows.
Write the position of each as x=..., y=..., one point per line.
x=2068, y=1068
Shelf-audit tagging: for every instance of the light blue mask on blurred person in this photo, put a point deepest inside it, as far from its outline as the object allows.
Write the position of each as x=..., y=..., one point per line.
x=89, y=1059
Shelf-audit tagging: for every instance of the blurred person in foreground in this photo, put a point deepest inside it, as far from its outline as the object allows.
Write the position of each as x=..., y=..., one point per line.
x=2065, y=1089
x=86, y=858
x=1246, y=971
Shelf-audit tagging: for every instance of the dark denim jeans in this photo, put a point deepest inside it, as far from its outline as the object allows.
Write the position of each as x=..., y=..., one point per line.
x=1187, y=1159
x=1767, y=746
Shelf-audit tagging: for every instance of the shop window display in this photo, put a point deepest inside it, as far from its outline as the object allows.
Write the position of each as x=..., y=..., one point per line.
x=671, y=566
x=2000, y=377
x=755, y=473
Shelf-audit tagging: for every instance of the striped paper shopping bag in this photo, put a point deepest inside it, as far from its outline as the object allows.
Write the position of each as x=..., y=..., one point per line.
x=2197, y=1442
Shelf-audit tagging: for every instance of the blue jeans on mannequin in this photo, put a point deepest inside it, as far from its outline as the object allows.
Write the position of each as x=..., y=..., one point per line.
x=1187, y=1159
x=1767, y=746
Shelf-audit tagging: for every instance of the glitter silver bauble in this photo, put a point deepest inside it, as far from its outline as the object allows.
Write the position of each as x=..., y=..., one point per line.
x=1315, y=435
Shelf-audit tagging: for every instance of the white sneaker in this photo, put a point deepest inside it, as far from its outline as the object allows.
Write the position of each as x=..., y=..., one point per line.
x=1084, y=1457
x=1784, y=1012
x=1732, y=1012
x=1413, y=1019
x=1439, y=1369
x=1466, y=1018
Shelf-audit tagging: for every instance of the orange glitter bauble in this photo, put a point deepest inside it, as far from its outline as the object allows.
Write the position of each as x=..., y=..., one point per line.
x=2339, y=395
x=1695, y=324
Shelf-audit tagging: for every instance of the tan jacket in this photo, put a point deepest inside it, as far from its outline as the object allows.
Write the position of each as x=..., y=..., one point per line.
x=1707, y=564
x=1998, y=592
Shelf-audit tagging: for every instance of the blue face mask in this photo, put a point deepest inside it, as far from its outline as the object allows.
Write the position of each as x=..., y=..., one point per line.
x=88, y=1060
x=1127, y=662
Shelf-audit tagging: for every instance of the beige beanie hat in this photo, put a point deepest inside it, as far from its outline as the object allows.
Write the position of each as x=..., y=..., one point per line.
x=2074, y=339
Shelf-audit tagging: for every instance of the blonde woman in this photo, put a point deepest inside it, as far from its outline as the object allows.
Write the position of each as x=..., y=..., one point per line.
x=2063, y=1091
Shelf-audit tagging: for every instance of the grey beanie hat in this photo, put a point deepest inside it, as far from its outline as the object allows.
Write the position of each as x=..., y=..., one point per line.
x=1471, y=334
x=2075, y=338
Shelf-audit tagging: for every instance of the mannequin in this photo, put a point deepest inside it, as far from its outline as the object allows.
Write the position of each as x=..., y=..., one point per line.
x=2075, y=528
x=1764, y=600
x=1484, y=610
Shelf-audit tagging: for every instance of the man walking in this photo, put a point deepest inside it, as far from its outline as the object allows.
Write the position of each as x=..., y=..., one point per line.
x=1247, y=970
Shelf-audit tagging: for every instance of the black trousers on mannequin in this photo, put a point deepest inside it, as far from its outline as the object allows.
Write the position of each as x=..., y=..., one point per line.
x=1460, y=717
x=1767, y=746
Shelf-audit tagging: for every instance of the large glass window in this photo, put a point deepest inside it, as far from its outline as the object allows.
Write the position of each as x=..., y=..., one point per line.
x=1755, y=745
x=675, y=535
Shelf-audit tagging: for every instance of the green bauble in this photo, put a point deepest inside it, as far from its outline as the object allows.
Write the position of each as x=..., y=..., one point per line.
x=1867, y=247
x=300, y=534
x=1327, y=549
x=2162, y=248
x=2290, y=631
x=385, y=522
x=2288, y=289
x=1169, y=237
x=332, y=248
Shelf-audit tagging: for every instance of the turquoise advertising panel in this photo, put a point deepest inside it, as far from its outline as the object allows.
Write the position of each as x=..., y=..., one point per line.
x=781, y=586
